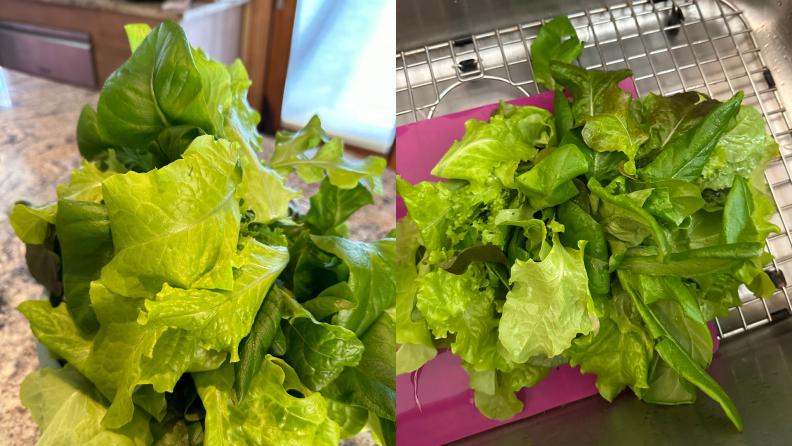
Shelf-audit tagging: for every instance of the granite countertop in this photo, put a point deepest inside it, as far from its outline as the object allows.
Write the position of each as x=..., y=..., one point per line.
x=151, y=9
x=38, y=149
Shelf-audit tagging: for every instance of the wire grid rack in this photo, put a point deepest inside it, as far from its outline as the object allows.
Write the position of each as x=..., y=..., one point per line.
x=712, y=51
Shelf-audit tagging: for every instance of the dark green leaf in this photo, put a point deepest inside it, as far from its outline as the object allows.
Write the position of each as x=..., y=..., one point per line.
x=372, y=384
x=332, y=205
x=483, y=253
x=549, y=183
x=737, y=212
x=680, y=360
x=371, y=278
x=686, y=157
x=579, y=225
x=624, y=202
x=255, y=345
x=332, y=300
x=586, y=86
x=557, y=40
x=44, y=265
x=172, y=142
x=563, y=115
x=86, y=247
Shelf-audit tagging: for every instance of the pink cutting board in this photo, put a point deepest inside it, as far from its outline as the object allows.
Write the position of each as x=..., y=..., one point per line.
x=435, y=405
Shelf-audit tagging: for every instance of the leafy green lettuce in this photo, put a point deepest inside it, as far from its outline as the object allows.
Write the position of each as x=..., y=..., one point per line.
x=609, y=245
x=192, y=304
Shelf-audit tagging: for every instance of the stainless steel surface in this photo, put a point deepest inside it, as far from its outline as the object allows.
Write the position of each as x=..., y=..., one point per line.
x=714, y=52
x=754, y=370
x=56, y=54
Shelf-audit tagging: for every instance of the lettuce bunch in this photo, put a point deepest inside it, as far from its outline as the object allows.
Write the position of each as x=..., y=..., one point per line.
x=190, y=304
x=605, y=236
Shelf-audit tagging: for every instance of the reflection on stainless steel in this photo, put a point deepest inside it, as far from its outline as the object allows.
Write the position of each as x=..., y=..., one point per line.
x=714, y=51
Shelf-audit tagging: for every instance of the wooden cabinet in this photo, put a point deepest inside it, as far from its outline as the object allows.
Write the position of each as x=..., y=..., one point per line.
x=226, y=29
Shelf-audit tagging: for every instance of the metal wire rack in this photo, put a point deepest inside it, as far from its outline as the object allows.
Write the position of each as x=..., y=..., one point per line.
x=671, y=47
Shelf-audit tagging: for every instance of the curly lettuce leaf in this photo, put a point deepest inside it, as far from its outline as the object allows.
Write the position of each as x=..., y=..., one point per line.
x=494, y=148
x=178, y=224
x=220, y=318
x=547, y=307
x=269, y=415
x=557, y=40
x=69, y=409
x=618, y=358
x=453, y=303
x=743, y=147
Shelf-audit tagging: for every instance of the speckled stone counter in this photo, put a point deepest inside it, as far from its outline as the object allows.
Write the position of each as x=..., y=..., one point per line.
x=38, y=149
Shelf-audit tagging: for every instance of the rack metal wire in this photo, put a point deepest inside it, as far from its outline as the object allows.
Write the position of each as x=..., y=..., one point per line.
x=712, y=50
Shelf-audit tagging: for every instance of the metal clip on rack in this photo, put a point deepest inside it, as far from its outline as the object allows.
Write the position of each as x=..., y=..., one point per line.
x=671, y=47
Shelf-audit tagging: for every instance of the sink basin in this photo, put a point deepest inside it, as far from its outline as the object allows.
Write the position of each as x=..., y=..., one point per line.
x=453, y=55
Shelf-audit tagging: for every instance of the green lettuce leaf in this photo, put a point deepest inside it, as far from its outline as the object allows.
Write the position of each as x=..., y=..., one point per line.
x=220, y=318
x=178, y=225
x=549, y=183
x=547, y=306
x=371, y=278
x=319, y=351
x=69, y=409
x=158, y=87
x=667, y=118
x=86, y=246
x=329, y=159
x=492, y=148
x=332, y=205
x=350, y=419
x=33, y=225
x=615, y=129
x=686, y=157
x=557, y=40
x=372, y=384
x=269, y=415
x=742, y=148
x=587, y=86
x=578, y=225
x=618, y=358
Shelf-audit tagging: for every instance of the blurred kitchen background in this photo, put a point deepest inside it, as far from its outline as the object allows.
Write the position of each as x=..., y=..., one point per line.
x=304, y=57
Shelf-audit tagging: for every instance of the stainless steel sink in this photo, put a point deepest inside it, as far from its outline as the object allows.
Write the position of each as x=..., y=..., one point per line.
x=457, y=54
